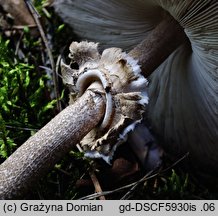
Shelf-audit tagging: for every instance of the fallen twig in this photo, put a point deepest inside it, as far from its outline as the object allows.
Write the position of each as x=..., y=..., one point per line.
x=148, y=176
x=43, y=36
x=93, y=178
x=19, y=27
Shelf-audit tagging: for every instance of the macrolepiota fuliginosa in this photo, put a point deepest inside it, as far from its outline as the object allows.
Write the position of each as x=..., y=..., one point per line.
x=183, y=88
x=177, y=51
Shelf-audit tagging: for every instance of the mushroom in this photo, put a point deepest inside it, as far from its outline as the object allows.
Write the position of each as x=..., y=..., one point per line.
x=183, y=104
x=110, y=100
x=182, y=89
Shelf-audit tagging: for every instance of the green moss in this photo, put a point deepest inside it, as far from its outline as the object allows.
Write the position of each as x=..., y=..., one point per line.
x=23, y=101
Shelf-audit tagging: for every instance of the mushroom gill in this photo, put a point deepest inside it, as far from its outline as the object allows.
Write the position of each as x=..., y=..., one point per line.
x=183, y=102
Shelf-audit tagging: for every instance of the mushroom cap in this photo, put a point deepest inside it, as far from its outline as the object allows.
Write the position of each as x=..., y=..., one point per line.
x=183, y=90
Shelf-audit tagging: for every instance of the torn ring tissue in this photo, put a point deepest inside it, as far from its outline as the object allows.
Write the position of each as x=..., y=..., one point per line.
x=124, y=87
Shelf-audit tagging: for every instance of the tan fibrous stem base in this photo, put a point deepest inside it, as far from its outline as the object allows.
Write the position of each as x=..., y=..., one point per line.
x=41, y=152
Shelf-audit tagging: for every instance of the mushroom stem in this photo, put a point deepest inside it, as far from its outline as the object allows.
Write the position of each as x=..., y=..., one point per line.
x=155, y=48
x=41, y=151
